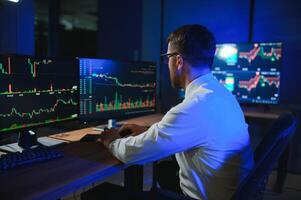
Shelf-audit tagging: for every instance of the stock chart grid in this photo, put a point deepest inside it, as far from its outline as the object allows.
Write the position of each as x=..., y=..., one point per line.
x=112, y=89
x=36, y=91
x=250, y=71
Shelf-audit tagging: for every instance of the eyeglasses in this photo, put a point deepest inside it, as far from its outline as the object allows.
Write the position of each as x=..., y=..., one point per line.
x=166, y=56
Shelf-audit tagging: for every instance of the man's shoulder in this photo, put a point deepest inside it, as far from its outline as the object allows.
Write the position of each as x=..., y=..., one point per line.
x=188, y=105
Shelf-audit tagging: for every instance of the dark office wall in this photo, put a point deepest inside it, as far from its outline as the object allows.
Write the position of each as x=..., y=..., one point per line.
x=120, y=25
x=17, y=27
x=228, y=20
x=77, y=43
x=151, y=25
x=277, y=20
x=151, y=36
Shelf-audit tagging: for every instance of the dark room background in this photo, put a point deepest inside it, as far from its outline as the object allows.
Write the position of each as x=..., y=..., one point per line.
x=137, y=30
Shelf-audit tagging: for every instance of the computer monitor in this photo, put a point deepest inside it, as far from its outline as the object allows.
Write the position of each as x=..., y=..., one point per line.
x=36, y=92
x=251, y=71
x=116, y=89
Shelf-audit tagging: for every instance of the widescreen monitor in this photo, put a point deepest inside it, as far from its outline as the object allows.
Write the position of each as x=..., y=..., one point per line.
x=116, y=89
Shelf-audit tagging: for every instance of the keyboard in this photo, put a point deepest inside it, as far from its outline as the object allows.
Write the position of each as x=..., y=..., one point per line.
x=27, y=157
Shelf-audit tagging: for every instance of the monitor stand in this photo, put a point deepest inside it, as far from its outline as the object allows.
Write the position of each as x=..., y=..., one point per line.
x=27, y=139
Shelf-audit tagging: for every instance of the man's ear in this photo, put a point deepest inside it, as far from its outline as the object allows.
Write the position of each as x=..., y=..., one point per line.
x=180, y=62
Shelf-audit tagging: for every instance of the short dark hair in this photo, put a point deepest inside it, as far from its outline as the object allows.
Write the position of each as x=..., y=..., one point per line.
x=195, y=43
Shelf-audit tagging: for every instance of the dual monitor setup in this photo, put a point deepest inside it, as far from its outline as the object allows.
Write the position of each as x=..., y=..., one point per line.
x=37, y=92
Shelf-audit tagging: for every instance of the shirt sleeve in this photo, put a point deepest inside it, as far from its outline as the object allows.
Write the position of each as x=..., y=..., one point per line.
x=176, y=132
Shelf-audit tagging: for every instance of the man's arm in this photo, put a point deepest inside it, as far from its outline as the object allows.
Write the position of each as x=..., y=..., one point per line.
x=178, y=131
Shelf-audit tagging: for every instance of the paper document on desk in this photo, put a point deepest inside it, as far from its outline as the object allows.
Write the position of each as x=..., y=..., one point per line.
x=47, y=141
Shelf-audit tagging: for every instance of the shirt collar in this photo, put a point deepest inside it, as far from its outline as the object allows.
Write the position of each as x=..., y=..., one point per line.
x=193, y=85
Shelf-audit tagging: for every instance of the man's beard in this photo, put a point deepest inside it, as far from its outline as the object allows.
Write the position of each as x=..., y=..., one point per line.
x=175, y=81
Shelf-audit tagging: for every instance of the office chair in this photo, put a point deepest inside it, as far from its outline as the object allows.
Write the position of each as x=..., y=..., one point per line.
x=266, y=156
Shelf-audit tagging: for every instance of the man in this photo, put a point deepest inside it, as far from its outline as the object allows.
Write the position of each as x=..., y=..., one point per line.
x=207, y=131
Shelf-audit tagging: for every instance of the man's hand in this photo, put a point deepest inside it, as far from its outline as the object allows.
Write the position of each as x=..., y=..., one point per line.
x=108, y=136
x=131, y=129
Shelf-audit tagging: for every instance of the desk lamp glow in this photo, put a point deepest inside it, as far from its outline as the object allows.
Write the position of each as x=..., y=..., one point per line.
x=15, y=1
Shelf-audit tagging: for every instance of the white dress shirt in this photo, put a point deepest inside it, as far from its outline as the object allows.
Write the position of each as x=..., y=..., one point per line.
x=209, y=136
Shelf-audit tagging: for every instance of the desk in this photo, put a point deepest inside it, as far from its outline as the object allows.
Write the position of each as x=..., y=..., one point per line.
x=83, y=164
x=261, y=113
x=76, y=135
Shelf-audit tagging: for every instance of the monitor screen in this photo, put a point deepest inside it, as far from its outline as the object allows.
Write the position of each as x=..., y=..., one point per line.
x=251, y=71
x=116, y=89
x=35, y=92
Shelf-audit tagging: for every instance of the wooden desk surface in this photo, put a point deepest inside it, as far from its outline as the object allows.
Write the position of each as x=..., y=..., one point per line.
x=76, y=135
x=83, y=164
x=262, y=114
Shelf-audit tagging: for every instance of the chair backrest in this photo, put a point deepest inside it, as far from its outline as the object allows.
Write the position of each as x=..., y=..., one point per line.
x=266, y=155
x=279, y=127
